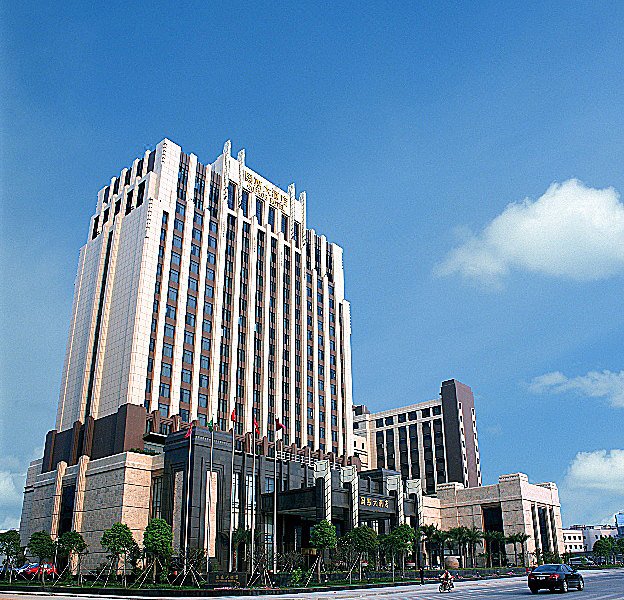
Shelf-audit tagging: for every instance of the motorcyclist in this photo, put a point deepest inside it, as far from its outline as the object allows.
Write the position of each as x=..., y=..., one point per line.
x=447, y=579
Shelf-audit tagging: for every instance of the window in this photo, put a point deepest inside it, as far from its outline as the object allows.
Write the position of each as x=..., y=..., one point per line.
x=169, y=330
x=165, y=370
x=170, y=312
x=187, y=357
x=193, y=285
x=259, y=210
x=195, y=250
x=165, y=390
x=231, y=195
x=178, y=225
x=189, y=338
x=210, y=275
x=177, y=241
x=272, y=218
x=167, y=350
x=245, y=202
x=174, y=276
x=191, y=302
x=203, y=400
x=180, y=208
x=284, y=224
x=203, y=380
x=185, y=396
x=194, y=267
x=163, y=409
x=211, y=258
x=175, y=258
x=212, y=241
x=186, y=376
x=184, y=415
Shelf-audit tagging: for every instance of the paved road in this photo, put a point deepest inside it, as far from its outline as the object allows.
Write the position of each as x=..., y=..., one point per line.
x=599, y=585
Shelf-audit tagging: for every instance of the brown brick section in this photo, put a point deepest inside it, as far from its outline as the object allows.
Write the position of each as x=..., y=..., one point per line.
x=102, y=437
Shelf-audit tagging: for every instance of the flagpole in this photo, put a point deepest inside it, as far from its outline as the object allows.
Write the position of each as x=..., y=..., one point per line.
x=188, y=496
x=209, y=511
x=253, y=499
x=275, y=506
x=232, y=499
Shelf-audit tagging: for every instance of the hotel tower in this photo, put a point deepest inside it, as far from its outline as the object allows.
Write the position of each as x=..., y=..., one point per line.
x=201, y=296
x=199, y=292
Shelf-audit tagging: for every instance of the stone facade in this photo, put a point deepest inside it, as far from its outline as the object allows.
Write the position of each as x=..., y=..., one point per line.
x=89, y=497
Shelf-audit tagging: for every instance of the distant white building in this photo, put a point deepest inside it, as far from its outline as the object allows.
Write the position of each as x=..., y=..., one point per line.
x=589, y=534
x=573, y=541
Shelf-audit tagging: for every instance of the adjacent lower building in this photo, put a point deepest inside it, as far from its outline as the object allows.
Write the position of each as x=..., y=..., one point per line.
x=586, y=536
x=209, y=485
x=435, y=440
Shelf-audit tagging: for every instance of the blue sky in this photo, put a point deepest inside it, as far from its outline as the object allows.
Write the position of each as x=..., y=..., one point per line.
x=412, y=131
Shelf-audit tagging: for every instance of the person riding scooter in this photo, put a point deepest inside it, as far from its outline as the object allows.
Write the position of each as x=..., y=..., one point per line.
x=446, y=581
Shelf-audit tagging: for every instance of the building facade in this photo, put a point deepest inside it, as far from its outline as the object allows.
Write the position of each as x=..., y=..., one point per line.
x=209, y=485
x=591, y=534
x=199, y=292
x=573, y=541
x=435, y=441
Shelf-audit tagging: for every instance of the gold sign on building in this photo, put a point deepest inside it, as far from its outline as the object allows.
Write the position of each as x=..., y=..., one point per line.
x=374, y=502
x=268, y=193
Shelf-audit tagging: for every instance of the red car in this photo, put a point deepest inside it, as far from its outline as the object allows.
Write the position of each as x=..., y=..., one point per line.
x=35, y=570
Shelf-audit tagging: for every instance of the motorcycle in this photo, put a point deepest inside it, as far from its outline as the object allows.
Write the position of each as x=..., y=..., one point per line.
x=446, y=586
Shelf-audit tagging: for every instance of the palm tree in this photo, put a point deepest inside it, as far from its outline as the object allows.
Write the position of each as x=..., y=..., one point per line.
x=517, y=538
x=458, y=536
x=488, y=538
x=429, y=532
x=441, y=537
x=522, y=539
x=500, y=539
x=473, y=537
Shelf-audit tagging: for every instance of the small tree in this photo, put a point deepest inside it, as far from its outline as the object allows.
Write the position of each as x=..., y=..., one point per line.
x=322, y=537
x=10, y=546
x=41, y=546
x=72, y=545
x=158, y=542
x=240, y=536
x=118, y=541
x=362, y=540
x=429, y=533
x=473, y=537
x=604, y=547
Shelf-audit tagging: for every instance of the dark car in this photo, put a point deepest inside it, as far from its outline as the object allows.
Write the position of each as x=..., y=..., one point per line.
x=555, y=577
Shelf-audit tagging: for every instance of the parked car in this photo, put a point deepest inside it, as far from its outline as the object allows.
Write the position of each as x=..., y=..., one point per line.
x=581, y=561
x=555, y=577
x=34, y=570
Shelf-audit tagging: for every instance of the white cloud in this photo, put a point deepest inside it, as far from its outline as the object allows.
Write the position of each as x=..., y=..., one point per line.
x=595, y=384
x=593, y=487
x=572, y=231
x=599, y=470
x=10, y=495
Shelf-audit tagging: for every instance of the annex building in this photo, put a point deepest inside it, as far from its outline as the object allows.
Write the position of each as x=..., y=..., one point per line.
x=202, y=297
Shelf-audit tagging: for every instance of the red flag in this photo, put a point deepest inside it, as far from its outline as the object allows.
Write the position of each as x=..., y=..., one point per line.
x=233, y=414
x=189, y=430
x=279, y=426
x=257, y=427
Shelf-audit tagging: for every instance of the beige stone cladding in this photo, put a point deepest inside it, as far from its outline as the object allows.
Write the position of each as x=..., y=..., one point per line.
x=431, y=511
x=108, y=490
x=519, y=502
x=117, y=489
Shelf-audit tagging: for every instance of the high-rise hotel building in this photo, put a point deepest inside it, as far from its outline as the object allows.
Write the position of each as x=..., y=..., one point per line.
x=199, y=292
